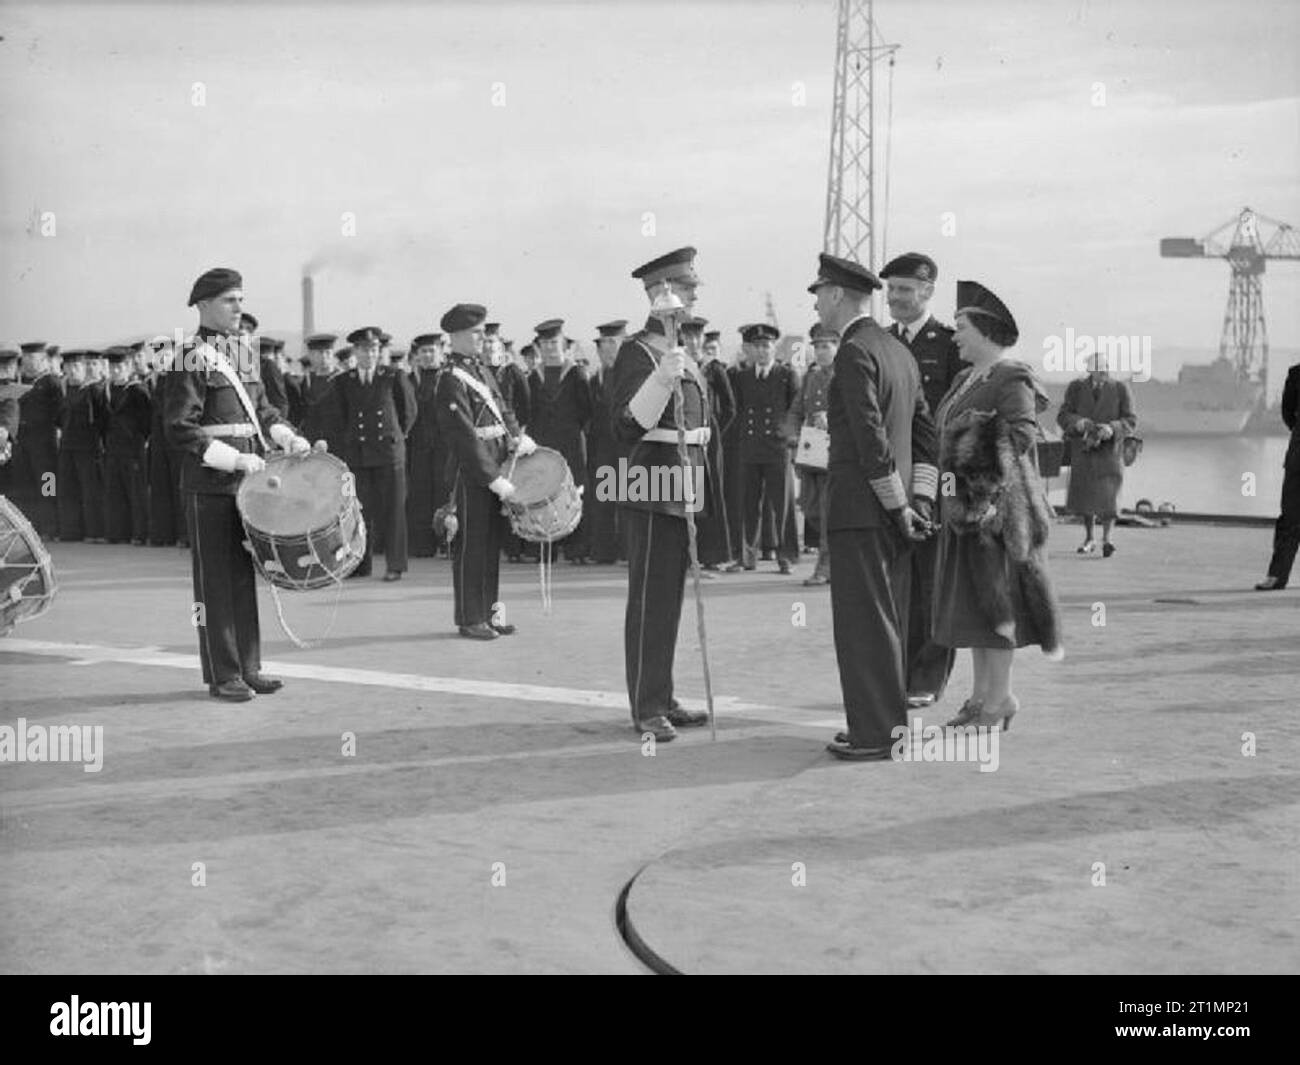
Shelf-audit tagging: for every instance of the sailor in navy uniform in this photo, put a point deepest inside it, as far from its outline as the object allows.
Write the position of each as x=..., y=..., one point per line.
x=648, y=367
x=36, y=452
x=603, y=449
x=427, y=485
x=81, y=451
x=216, y=413
x=512, y=382
x=481, y=433
x=882, y=485
x=375, y=405
x=126, y=439
x=909, y=281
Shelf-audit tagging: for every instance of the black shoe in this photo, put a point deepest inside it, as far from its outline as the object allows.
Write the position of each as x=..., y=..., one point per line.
x=969, y=712
x=481, y=631
x=848, y=753
x=392, y=575
x=231, y=691
x=503, y=630
x=660, y=727
x=783, y=567
x=264, y=685
x=1269, y=584
x=1107, y=550
x=681, y=717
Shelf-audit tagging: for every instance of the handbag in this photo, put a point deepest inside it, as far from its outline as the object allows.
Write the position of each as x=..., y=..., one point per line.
x=814, y=448
x=1130, y=448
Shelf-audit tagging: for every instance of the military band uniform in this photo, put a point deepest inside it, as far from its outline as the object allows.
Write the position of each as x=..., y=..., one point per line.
x=201, y=410
x=657, y=537
x=763, y=400
x=126, y=485
x=929, y=664
x=36, y=454
x=882, y=454
x=376, y=417
x=479, y=444
x=81, y=456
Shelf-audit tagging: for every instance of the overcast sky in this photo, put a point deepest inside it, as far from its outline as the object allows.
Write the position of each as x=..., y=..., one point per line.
x=613, y=111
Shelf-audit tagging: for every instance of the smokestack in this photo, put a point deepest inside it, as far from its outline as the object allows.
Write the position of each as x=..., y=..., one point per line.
x=308, y=307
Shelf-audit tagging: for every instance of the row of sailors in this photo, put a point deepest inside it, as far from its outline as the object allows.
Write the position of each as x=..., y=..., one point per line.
x=88, y=462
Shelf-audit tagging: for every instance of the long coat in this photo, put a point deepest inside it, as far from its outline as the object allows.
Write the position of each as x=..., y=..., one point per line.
x=1096, y=466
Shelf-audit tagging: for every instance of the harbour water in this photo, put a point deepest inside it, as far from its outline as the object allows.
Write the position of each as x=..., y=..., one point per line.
x=1203, y=474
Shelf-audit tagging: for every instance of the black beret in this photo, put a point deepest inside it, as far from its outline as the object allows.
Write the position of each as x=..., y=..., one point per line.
x=612, y=329
x=844, y=273
x=463, y=316
x=677, y=265
x=549, y=328
x=914, y=265
x=317, y=341
x=247, y=321
x=366, y=334
x=759, y=331
x=823, y=332
x=216, y=281
x=425, y=340
x=974, y=298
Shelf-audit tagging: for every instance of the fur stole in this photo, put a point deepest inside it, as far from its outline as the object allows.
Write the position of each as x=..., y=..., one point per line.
x=994, y=493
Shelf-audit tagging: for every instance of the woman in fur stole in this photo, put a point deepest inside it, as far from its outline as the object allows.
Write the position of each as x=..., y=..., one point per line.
x=992, y=592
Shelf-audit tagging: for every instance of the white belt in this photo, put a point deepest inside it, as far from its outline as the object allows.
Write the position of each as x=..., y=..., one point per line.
x=490, y=432
x=241, y=430
x=669, y=436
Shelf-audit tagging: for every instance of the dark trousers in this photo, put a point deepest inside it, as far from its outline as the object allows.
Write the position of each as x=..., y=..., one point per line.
x=734, y=491
x=382, y=493
x=126, y=497
x=476, y=554
x=658, y=558
x=420, y=503
x=929, y=664
x=604, y=519
x=869, y=605
x=230, y=640
x=166, y=520
x=769, y=497
x=36, y=463
x=816, y=502
x=80, y=496
x=1286, y=533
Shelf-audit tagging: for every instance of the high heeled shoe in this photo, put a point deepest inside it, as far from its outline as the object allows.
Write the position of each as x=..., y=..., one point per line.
x=1001, y=715
x=970, y=710
x=1088, y=547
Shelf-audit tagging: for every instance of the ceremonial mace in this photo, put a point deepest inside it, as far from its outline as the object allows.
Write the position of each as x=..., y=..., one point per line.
x=668, y=308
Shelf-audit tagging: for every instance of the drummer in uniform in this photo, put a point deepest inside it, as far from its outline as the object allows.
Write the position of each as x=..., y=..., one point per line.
x=648, y=367
x=216, y=412
x=481, y=432
x=909, y=281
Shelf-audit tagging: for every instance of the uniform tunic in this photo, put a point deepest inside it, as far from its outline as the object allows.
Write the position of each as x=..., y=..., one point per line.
x=561, y=413
x=376, y=418
x=937, y=359
x=81, y=454
x=1096, y=472
x=36, y=454
x=197, y=402
x=166, y=508
x=478, y=442
x=763, y=404
x=126, y=484
x=426, y=455
x=960, y=619
x=657, y=536
x=1286, y=533
x=882, y=447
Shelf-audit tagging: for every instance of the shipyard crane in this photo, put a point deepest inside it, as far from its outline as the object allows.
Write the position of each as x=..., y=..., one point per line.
x=1254, y=239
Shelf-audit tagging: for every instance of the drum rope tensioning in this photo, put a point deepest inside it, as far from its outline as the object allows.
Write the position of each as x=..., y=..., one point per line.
x=305, y=527
x=30, y=594
x=546, y=507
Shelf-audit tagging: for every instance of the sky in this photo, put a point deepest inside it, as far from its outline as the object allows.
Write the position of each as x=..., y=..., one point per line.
x=528, y=156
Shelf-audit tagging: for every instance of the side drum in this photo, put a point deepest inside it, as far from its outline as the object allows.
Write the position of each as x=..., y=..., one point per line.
x=27, y=584
x=546, y=505
x=303, y=520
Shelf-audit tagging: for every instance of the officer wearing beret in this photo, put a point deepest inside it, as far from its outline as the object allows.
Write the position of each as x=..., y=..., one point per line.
x=375, y=406
x=36, y=452
x=765, y=392
x=81, y=451
x=648, y=368
x=126, y=437
x=603, y=449
x=882, y=454
x=910, y=281
x=481, y=433
x=216, y=412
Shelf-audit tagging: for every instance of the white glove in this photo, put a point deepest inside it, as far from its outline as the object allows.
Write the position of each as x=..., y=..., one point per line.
x=503, y=488
x=320, y=445
x=525, y=446
x=299, y=446
x=250, y=464
x=671, y=366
